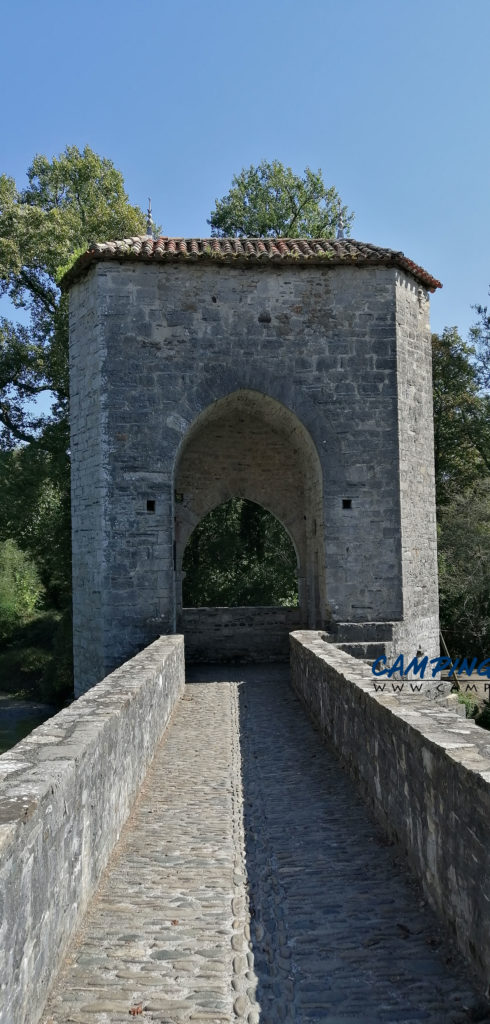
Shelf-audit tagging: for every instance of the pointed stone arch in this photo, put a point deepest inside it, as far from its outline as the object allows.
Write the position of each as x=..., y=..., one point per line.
x=249, y=445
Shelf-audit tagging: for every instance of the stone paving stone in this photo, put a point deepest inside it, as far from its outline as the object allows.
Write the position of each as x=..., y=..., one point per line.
x=250, y=884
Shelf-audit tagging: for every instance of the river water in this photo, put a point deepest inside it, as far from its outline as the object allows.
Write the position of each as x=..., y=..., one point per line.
x=19, y=717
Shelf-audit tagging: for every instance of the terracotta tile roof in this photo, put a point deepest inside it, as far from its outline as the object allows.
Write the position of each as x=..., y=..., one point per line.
x=327, y=252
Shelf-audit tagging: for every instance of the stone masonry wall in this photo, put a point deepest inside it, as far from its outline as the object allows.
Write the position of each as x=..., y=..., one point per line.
x=424, y=771
x=89, y=457
x=238, y=634
x=173, y=339
x=67, y=789
x=420, y=626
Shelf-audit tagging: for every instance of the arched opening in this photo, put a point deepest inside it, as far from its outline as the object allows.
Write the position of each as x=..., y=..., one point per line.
x=239, y=555
x=250, y=447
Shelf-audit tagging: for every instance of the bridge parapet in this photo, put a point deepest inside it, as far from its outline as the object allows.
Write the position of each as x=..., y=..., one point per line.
x=66, y=791
x=424, y=772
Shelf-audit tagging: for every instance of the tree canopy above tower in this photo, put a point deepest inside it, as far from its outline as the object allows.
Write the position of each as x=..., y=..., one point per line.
x=269, y=201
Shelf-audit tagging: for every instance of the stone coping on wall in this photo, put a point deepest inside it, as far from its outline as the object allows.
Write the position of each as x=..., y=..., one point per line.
x=66, y=791
x=424, y=771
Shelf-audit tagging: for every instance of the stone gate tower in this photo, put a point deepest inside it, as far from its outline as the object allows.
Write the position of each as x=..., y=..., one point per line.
x=295, y=373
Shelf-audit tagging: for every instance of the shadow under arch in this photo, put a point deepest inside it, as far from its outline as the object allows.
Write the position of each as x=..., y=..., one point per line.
x=249, y=445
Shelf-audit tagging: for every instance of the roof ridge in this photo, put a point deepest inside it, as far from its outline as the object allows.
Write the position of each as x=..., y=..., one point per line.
x=251, y=250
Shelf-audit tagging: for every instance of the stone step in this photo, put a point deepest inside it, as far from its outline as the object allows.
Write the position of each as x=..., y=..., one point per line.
x=360, y=632
x=369, y=651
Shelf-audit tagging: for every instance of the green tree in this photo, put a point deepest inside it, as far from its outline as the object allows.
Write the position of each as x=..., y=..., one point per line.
x=269, y=200
x=35, y=512
x=462, y=456
x=239, y=555
x=480, y=337
x=461, y=417
x=20, y=587
x=69, y=201
x=464, y=571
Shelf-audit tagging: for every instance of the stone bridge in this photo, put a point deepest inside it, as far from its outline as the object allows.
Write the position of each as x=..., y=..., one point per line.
x=190, y=851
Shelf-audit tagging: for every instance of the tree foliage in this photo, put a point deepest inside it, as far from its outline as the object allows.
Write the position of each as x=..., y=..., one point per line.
x=461, y=417
x=464, y=571
x=35, y=512
x=240, y=555
x=480, y=337
x=462, y=456
x=68, y=202
x=20, y=587
x=269, y=200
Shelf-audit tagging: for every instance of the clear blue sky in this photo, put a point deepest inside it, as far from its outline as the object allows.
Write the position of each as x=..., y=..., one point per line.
x=390, y=99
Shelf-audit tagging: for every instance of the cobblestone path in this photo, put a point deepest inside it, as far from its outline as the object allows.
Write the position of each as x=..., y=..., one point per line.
x=328, y=927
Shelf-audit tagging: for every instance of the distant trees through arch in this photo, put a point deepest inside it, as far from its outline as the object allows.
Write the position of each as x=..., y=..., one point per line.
x=239, y=555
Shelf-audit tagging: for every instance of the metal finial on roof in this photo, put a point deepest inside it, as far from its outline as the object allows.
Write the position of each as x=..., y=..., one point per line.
x=149, y=220
x=340, y=223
